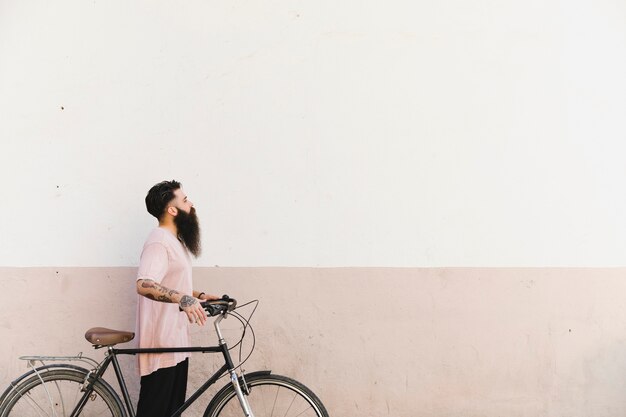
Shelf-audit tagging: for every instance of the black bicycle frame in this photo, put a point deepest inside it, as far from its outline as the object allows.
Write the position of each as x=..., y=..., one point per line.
x=112, y=357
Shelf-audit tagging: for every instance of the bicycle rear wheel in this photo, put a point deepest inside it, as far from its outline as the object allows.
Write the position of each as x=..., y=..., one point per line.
x=56, y=392
x=270, y=396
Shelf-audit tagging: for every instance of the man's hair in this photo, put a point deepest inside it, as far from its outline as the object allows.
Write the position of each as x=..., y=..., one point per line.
x=159, y=196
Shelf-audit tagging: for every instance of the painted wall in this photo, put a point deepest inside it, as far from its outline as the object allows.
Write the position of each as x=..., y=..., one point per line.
x=427, y=342
x=338, y=141
x=446, y=133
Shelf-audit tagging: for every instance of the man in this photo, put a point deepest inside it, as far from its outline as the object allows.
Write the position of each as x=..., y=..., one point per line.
x=164, y=285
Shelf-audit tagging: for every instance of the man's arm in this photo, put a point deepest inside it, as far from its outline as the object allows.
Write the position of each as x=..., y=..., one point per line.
x=157, y=292
x=204, y=296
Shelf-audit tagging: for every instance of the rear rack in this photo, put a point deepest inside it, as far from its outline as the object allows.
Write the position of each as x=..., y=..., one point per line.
x=32, y=360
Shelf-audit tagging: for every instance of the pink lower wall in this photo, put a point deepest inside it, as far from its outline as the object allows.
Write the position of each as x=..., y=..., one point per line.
x=426, y=342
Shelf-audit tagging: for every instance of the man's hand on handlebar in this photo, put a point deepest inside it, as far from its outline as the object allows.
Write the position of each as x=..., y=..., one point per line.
x=219, y=306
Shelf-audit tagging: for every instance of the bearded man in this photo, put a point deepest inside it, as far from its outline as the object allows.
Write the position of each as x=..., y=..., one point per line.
x=164, y=284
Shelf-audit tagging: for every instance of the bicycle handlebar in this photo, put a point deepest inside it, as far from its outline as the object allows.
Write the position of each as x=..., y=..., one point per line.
x=215, y=307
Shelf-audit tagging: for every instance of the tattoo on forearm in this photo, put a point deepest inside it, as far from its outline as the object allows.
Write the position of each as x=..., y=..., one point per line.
x=163, y=294
x=187, y=301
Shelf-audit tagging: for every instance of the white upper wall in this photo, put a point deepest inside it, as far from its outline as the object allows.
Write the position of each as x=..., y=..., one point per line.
x=352, y=133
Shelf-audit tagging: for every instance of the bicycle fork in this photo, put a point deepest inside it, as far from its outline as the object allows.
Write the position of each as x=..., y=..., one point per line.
x=234, y=379
x=243, y=401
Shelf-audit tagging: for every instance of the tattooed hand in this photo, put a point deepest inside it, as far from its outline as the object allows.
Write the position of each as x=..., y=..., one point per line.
x=193, y=309
x=187, y=301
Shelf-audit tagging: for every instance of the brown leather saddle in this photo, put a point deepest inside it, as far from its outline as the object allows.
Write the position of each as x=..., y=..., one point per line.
x=100, y=336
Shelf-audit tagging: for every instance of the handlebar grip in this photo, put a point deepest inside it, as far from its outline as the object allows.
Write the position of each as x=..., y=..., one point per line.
x=215, y=307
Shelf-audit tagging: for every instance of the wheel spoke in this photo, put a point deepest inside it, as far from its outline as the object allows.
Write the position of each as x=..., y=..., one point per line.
x=274, y=405
x=270, y=396
x=304, y=411
x=33, y=404
x=75, y=398
x=290, y=404
x=60, y=399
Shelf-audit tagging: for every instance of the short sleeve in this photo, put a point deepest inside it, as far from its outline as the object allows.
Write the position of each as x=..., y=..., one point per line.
x=153, y=263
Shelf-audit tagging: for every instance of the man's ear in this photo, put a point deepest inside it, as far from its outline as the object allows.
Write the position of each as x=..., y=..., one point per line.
x=172, y=210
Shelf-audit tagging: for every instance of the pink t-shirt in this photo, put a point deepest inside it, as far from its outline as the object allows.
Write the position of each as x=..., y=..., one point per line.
x=166, y=261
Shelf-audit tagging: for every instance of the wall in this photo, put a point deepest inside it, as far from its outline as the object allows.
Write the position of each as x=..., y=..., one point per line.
x=461, y=157
x=367, y=134
x=431, y=342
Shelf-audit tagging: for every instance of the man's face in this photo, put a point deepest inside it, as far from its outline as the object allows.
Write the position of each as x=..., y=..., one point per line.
x=181, y=202
x=186, y=222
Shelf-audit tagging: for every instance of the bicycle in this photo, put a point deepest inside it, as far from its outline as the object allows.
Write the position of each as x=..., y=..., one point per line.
x=64, y=389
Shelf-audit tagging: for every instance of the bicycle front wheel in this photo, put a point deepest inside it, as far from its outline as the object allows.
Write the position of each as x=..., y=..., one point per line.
x=56, y=392
x=269, y=396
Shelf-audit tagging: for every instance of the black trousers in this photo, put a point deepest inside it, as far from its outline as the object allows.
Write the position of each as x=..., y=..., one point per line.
x=163, y=391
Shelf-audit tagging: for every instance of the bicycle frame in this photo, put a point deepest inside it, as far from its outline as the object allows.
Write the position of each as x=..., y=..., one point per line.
x=111, y=357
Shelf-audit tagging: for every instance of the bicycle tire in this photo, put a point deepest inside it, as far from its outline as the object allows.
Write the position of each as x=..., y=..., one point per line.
x=269, y=396
x=55, y=392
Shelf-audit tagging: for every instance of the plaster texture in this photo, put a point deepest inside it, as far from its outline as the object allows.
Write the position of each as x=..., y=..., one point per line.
x=431, y=342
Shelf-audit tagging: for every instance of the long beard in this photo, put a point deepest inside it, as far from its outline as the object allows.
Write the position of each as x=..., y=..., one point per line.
x=189, y=231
